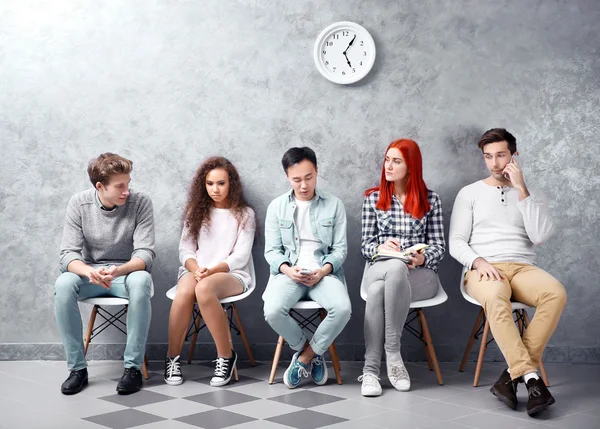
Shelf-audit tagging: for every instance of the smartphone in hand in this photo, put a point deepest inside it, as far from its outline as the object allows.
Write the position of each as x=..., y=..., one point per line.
x=515, y=158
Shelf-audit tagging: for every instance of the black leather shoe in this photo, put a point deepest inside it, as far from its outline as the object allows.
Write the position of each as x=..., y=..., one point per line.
x=75, y=382
x=540, y=397
x=505, y=389
x=130, y=382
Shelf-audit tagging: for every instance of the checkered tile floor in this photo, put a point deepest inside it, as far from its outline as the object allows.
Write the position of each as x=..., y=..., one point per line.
x=30, y=398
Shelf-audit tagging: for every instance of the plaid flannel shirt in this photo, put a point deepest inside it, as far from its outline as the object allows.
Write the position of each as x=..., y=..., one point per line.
x=379, y=225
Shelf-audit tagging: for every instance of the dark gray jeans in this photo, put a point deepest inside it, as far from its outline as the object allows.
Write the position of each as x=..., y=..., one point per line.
x=391, y=287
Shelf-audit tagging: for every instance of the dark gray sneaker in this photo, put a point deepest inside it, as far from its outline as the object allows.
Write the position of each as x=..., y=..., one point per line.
x=75, y=383
x=130, y=382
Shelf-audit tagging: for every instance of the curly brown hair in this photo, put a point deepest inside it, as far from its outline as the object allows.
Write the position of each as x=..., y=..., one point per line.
x=197, y=210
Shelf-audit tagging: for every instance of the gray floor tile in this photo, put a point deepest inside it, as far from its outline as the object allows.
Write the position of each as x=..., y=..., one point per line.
x=166, y=424
x=143, y=397
x=482, y=401
x=306, y=399
x=188, y=388
x=175, y=408
x=221, y=398
x=346, y=390
x=352, y=424
x=124, y=419
x=433, y=391
x=260, y=424
x=400, y=420
x=83, y=407
x=491, y=421
x=441, y=410
x=579, y=421
x=242, y=380
x=393, y=399
x=215, y=419
x=350, y=410
x=262, y=409
x=306, y=419
x=265, y=390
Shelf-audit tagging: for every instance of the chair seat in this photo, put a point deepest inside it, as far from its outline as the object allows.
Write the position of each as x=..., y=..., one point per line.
x=306, y=305
x=439, y=298
x=515, y=305
x=105, y=300
x=171, y=295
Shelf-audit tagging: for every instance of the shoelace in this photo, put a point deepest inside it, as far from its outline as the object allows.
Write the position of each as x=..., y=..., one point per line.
x=173, y=367
x=221, y=367
x=302, y=372
x=131, y=372
x=534, y=391
x=399, y=371
x=316, y=361
x=369, y=379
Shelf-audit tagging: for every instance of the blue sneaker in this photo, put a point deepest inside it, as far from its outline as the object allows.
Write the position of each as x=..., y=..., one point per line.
x=295, y=372
x=318, y=370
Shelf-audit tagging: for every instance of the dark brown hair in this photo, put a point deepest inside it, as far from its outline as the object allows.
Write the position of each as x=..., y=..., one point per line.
x=106, y=165
x=496, y=135
x=199, y=203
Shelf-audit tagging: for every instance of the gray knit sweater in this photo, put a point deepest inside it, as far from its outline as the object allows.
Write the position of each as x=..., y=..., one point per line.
x=97, y=237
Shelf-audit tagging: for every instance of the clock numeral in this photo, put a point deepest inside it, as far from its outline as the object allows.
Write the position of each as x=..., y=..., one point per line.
x=353, y=70
x=362, y=43
x=329, y=44
x=364, y=53
x=326, y=63
x=361, y=63
x=336, y=36
x=343, y=73
x=324, y=52
x=345, y=33
x=334, y=69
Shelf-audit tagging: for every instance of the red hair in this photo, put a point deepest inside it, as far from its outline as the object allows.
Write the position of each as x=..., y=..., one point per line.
x=416, y=202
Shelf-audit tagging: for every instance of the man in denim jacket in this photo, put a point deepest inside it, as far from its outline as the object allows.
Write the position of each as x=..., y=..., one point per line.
x=305, y=246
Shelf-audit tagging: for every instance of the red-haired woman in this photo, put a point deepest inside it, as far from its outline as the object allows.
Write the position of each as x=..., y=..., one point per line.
x=396, y=215
x=216, y=262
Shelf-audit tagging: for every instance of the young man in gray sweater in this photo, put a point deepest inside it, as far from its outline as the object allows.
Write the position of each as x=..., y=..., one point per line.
x=107, y=249
x=496, y=224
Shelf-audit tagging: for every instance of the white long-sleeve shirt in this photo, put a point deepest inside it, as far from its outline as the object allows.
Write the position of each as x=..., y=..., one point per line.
x=225, y=241
x=490, y=222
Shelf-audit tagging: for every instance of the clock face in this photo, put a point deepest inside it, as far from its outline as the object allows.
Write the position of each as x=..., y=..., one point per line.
x=344, y=52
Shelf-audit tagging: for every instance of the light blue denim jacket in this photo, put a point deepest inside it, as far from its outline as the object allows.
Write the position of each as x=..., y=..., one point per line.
x=328, y=222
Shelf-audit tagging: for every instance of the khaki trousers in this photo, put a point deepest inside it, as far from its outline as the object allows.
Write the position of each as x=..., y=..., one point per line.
x=533, y=287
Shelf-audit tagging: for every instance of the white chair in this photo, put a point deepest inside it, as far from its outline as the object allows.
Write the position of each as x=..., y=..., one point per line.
x=482, y=326
x=308, y=323
x=422, y=334
x=110, y=319
x=231, y=315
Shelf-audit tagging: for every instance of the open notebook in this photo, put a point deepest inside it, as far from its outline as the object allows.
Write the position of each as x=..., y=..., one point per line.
x=403, y=254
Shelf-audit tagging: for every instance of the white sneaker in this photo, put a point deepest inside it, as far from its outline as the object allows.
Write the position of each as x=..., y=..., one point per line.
x=173, y=376
x=398, y=376
x=370, y=385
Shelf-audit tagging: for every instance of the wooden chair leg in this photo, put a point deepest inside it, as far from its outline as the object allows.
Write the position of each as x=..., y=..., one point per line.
x=196, y=321
x=238, y=322
x=463, y=363
x=482, y=347
x=145, y=367
x=335, y=360
x=427, y=355
x=429, y=341
x=226, y=320
x=542, y=369
x=276, y=357
x=90, y=328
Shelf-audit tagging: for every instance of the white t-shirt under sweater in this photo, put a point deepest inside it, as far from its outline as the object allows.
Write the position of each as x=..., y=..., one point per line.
x=308, y=242
x=490, y=222
x=225, y=241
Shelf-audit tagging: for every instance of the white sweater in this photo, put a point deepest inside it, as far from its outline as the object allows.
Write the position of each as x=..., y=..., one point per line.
x=226, y=242
x=483, y=225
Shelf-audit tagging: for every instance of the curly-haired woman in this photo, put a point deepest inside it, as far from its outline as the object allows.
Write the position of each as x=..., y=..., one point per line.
x=216, y=262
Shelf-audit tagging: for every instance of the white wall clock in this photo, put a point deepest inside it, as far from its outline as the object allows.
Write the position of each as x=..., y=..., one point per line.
x=344, y=52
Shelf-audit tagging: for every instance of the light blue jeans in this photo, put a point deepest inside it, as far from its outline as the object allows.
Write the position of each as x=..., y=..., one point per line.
x=281, y=295
x=136, y=286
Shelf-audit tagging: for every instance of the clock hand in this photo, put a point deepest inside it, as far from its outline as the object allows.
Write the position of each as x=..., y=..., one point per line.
x=350, y=44
x=347, y=60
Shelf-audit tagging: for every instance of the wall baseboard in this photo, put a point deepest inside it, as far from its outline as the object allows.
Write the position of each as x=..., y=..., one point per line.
x=264, y=352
